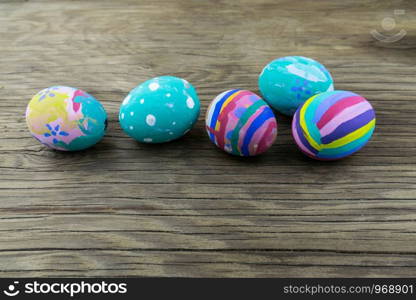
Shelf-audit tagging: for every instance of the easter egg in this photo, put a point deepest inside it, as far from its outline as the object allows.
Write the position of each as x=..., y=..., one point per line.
x=241, y=123
x=287, y=82
x=66, y=118
x=333, y=125
x=160, y=110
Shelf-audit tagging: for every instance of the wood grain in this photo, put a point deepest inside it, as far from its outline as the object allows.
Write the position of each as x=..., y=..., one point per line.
x=185, y=208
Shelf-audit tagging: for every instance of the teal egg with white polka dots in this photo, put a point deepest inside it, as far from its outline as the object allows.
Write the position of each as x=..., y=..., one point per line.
x=160, y=110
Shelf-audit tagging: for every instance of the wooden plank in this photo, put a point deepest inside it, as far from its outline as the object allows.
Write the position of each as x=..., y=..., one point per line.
x=185, y=208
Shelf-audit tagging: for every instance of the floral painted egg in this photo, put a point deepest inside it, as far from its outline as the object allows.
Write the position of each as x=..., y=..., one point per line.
x=288, y=82
x=160, y=110
x=66, y=118
x=333, y=125
x=241, y=123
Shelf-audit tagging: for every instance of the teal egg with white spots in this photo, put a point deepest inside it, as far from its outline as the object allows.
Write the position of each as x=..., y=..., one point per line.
x=287, y=82
x=160, y=110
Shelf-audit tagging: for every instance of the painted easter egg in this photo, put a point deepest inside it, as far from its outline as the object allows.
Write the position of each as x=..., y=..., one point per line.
x=241, y=123
x=287, y=82
x=333, y=125
x=66, y=118
x=160, y=110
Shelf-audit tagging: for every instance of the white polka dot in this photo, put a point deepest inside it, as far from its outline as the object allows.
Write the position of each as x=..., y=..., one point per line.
x=131, y=127
x=153, y=86
x=147, y=140
x=126, y=99
x=122, y=116
x=186, y=83
x=190, y=102
x=168, y=95
x=170, y=105
x=170, y=132
x=151, y=120
x=141, y=101
x=132, y=113
x=173, y=123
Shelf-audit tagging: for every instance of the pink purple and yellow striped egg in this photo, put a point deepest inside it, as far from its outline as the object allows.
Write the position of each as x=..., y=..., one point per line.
x=241, y=123
x=333, y=125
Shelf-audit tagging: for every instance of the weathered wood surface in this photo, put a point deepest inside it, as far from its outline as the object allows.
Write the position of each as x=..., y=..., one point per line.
x=185, y=208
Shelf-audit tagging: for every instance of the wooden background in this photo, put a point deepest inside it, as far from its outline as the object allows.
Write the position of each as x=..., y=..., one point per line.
x=185, y=208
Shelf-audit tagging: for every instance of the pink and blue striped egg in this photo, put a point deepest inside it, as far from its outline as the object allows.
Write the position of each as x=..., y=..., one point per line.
x=333, y=125
x=241, y=123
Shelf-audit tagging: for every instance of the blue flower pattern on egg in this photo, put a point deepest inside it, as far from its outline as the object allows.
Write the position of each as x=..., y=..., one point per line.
x=288, y=82
x=48, y=92
x=65, y=118
x=55, y=132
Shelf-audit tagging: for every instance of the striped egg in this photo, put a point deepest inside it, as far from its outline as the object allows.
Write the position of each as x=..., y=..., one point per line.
x=241, y=123
x=333, y=125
